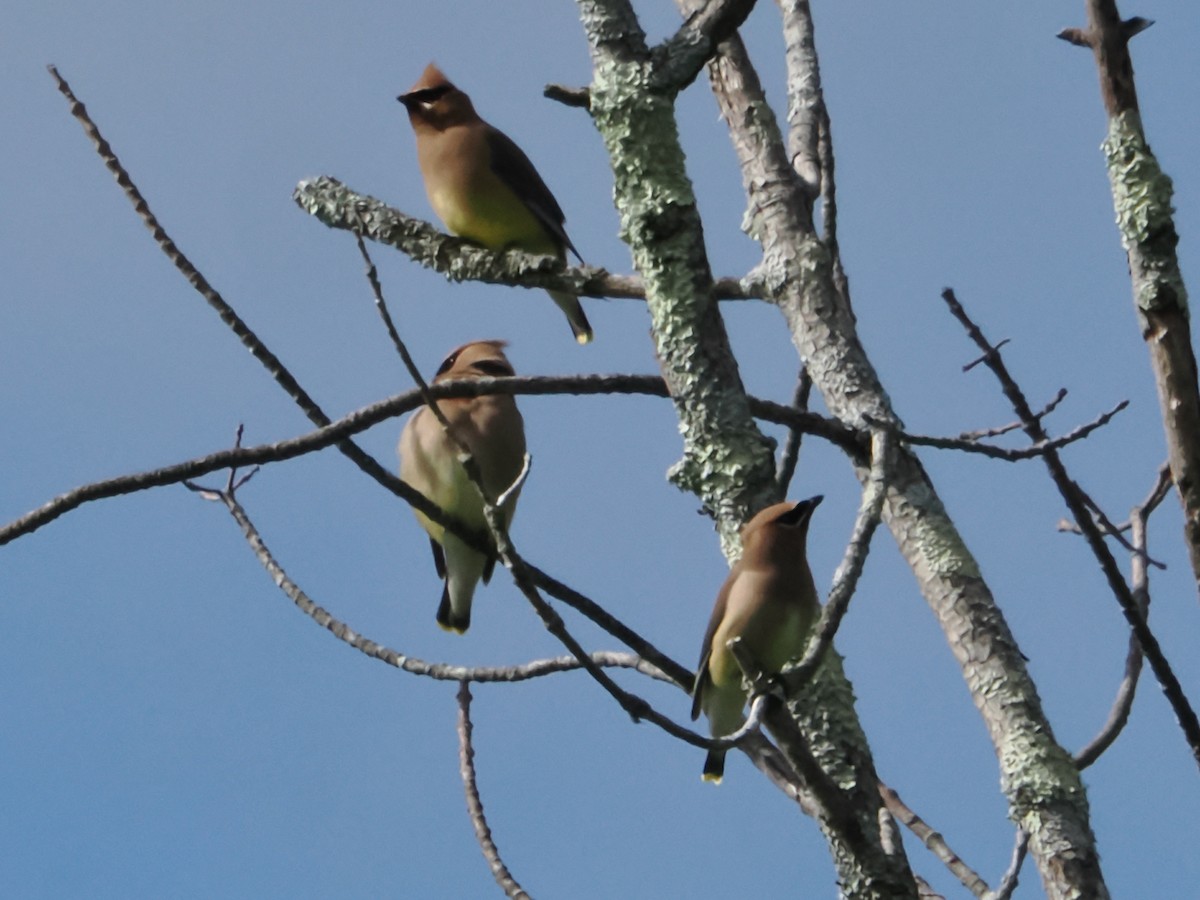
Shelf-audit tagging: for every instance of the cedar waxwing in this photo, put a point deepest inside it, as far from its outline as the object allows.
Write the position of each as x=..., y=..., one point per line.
x=769, y=601
x=482, y=186
x=492, y=429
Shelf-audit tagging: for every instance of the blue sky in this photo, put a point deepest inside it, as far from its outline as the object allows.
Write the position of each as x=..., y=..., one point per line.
x=171, y=726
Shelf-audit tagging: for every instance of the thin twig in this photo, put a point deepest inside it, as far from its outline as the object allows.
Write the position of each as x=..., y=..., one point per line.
x=1118, y=716
x=845, y=579
x=1011, y=877
x=933, y=840
x=982, y=359
x=1013, y=426
x=1071, y=494
x=409, y=363
x=1118, y=531
x=1033, y=451
x=466, y=768
x=791, y=448
x=402, y=661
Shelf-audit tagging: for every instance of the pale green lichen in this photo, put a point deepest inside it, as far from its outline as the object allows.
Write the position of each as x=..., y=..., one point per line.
x=1142, y=200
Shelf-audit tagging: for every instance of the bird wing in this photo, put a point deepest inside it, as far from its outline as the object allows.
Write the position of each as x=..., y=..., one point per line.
x=513, y=167
x=714, y=622
x=439, y=558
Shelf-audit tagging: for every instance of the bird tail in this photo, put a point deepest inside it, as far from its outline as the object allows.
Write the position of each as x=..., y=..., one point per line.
x=448, y=619
x=569, y=304
x=714, y=766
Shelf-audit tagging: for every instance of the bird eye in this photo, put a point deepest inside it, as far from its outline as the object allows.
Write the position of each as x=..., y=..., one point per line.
x=495, y=367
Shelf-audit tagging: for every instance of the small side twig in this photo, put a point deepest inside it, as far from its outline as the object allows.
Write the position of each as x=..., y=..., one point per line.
x=577, y=98
x=483, y=833
x=1013, y=426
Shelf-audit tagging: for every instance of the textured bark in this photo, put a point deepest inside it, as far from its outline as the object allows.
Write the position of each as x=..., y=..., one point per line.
x=1142, y=200
x=727, y=462
x=1043, y=788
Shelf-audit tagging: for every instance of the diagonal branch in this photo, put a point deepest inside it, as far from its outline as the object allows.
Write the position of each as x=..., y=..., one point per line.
x=791, y=448
x=1073, y=496
x=933, y=841
x=1142, y=199
x=798, y=272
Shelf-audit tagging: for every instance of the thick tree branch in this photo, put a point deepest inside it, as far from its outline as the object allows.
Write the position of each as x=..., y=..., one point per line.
x=337, y=206
x=727, y=461
x=681, y=58
x=1142, y=200
x=1042, y=786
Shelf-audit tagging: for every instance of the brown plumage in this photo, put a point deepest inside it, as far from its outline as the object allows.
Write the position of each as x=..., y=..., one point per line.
x=769, y=600
x=482, y=186
x=492, y=429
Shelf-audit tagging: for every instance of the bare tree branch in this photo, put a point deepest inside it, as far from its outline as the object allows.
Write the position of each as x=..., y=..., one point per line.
x=466, y=768
x=1072, y=495
x=791, y=448
x=1013, y=426
x=934, y=841
x=395, y=658
x=1033, y=451
x=681, y=58
x=1140, y=579
x=578, y=98
x=845, y=579
x=1010, y=879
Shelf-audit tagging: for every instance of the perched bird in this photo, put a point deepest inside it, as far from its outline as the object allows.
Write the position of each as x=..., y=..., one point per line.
x=493, y=431
x=482, y=186
x=769, y=601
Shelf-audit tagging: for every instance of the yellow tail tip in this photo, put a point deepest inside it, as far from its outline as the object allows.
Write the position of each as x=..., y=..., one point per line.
x=451, y=629
x=710, y=778
x=584, y=337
